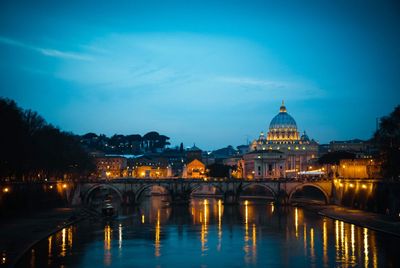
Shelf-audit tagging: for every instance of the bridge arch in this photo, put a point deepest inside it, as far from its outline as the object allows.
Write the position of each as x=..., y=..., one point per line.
x=197, y=186
x=139, y=192
x=268, y=188
x=312, y=185
x=100, y=186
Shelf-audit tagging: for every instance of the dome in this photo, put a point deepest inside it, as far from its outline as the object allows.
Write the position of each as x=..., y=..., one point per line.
x=283, y=120
x=305, y=137
x=283, y=127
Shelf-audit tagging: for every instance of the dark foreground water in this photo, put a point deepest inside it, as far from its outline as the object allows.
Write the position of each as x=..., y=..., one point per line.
x=209, y=234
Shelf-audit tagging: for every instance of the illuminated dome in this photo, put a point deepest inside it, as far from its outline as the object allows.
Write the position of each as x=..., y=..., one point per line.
x=283, y=127
x=283, y=120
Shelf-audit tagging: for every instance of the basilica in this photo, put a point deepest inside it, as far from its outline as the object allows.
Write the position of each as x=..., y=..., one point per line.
x=281, y=153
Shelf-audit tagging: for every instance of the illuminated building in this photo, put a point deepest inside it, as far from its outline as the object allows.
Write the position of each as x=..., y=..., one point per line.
x=110, y=166
x=194, y=169
x=147, y=167
x=282, y=153
x=359, y=169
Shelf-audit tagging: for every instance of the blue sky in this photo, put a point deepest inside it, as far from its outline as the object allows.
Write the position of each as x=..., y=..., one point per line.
x=213, y=72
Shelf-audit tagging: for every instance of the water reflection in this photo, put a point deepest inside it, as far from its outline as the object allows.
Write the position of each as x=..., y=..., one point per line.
x=107, y=245
x=207, y=233
x=157, y=236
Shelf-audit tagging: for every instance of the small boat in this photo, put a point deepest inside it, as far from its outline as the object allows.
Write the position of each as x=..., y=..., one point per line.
x=108, y=208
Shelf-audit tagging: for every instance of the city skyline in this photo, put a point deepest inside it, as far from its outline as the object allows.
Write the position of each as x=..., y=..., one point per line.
x=211, y=73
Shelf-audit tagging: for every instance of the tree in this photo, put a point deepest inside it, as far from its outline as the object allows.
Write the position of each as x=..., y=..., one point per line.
x=333, y=158
x=12, y=138
x=33, y=149
x=181, y=147
x=219, y=170
x=387, y=140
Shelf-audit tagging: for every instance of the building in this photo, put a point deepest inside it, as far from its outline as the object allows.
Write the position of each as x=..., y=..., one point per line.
x=111, y=167
x=282, y=153
x=359, y=169
x=193, y=153
x=195, y=169
x=264, y=164
x=149, y=167
x=243, y=149
x=355, y=145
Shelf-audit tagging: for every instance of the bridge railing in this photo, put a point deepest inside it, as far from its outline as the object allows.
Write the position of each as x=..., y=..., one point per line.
x=205, y=180
x=175, y=179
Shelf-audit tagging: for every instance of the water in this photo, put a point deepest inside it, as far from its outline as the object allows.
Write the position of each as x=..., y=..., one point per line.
x=209, y=234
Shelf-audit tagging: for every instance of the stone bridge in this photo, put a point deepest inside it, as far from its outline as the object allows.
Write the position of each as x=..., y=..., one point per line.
x=131, y=190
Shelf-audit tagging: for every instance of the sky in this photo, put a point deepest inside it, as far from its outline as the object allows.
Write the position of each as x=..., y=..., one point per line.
x=212, y=73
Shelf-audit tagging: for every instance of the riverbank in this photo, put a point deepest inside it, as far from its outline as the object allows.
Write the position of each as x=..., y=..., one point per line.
x=373, y=221
x=18, y=234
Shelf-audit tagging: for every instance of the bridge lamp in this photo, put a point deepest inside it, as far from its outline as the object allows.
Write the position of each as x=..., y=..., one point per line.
x=351, y=185
x=364, y=186
x=6, y=190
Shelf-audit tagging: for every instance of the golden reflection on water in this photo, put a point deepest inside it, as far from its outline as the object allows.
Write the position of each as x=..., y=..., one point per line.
x=66, y=241
x=366, y=248
x=312, y=251
x=63, y=243
x=120, y=236
x=325, y=242
x=296, y=222
x=254, y=249
x=250, y=240
x=107, y=245
x=50, y=240
x=219, y=225
x=246, y=246
x=204, y=228
x=353, y=245
x=157, y=237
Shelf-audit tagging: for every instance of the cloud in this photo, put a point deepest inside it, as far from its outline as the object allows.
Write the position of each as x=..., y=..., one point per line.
x=251, y=81
x=46, y=51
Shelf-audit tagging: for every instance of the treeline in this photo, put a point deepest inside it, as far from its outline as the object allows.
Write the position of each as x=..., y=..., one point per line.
x=125, y=144
x=31, y=149
x=387, y=140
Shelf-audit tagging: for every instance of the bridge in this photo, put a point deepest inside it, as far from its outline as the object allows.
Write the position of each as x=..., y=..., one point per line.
x=131, y=190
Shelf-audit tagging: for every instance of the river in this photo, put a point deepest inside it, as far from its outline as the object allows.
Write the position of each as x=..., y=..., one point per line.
x=208, y=234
